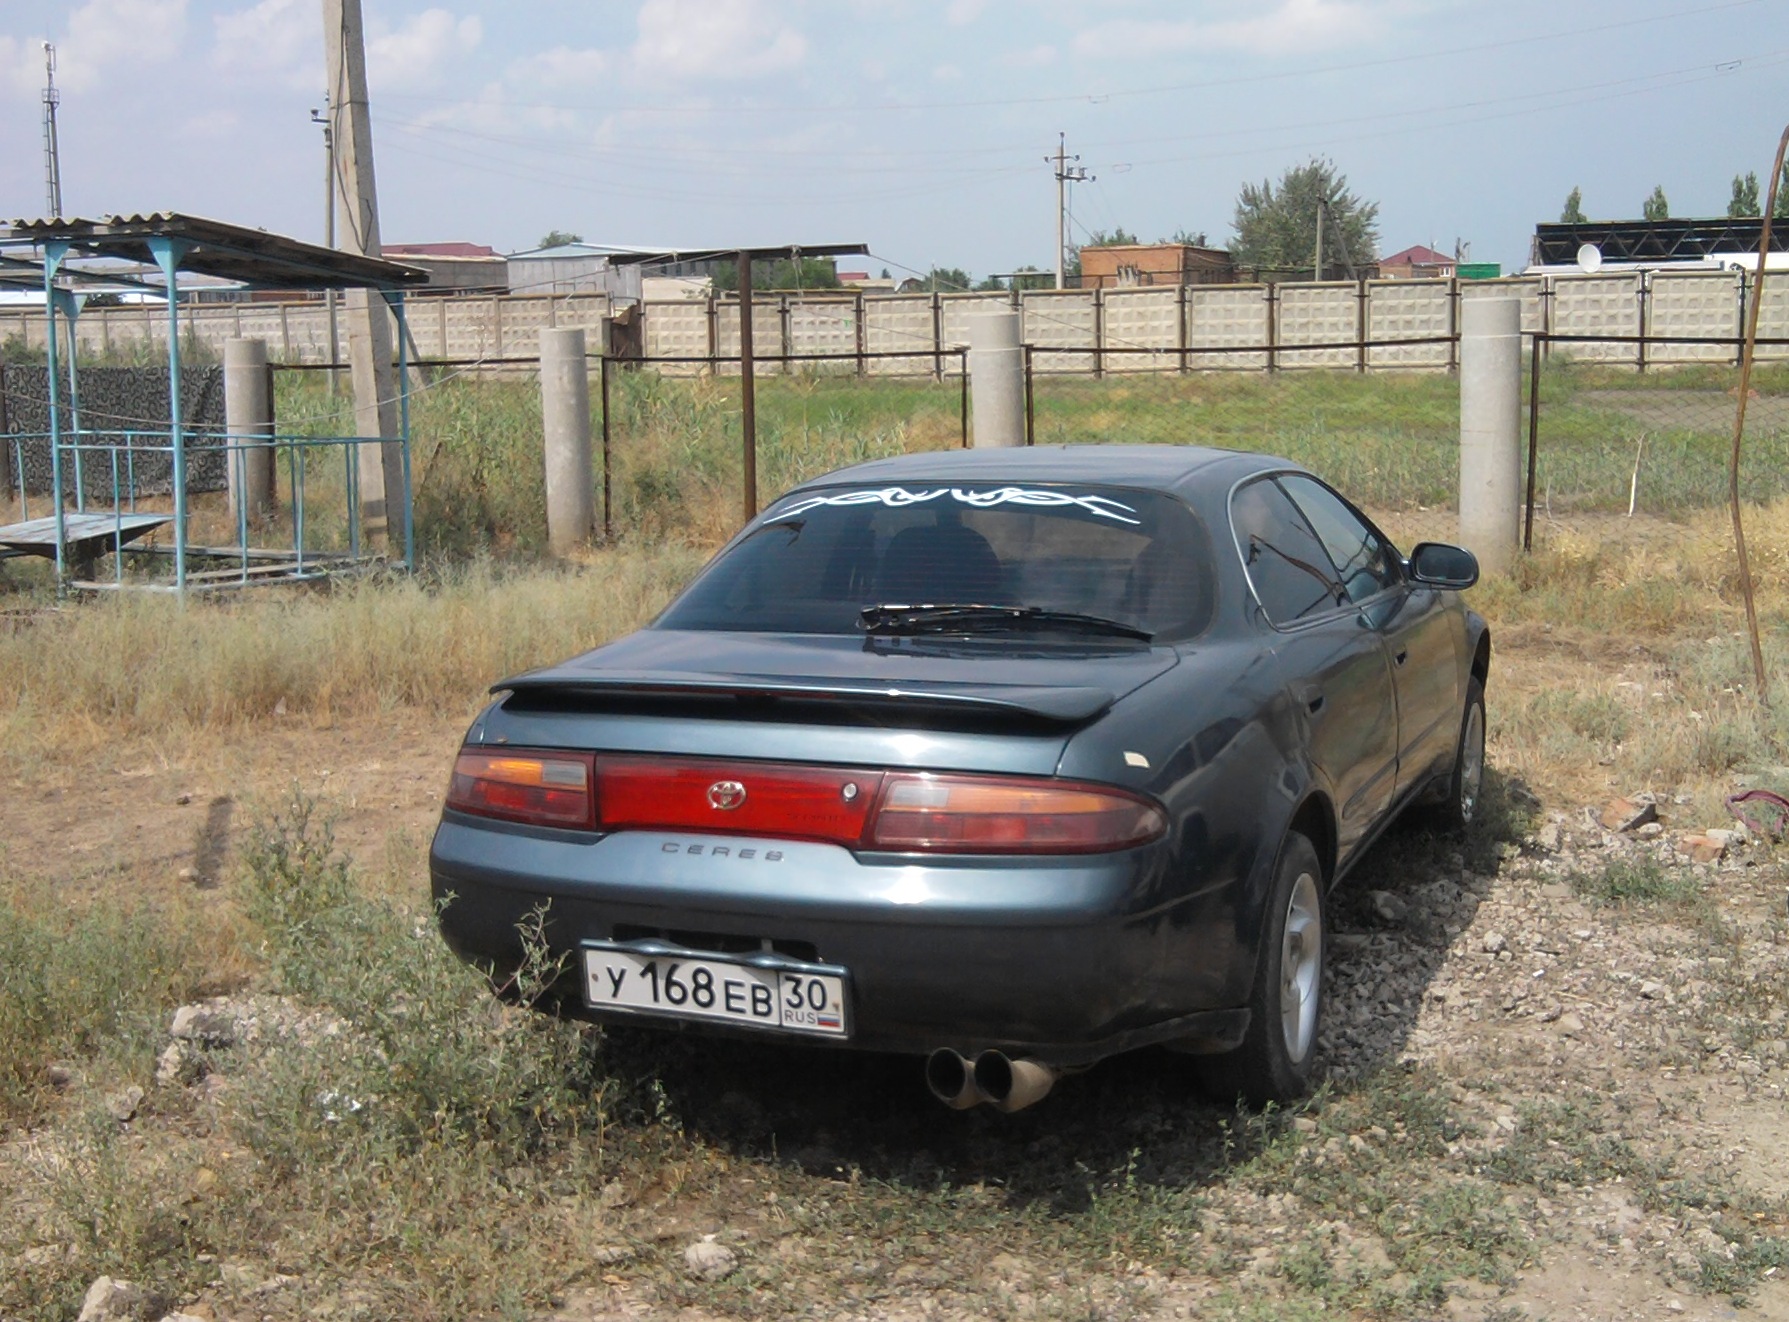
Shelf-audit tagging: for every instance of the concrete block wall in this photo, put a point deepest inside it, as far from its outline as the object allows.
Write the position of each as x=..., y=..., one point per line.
x=1215, y=326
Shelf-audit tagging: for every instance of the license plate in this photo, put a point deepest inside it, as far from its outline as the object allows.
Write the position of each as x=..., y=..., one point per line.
x=720, y=990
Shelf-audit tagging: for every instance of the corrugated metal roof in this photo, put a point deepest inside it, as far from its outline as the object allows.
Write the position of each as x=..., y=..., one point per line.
x=255, y=257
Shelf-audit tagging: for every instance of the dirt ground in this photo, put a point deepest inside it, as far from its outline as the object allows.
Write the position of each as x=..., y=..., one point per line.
x=1521, y=993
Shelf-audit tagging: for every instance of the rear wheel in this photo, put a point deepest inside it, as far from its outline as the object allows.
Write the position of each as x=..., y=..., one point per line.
x=1275, y=1061
x=1465, y=788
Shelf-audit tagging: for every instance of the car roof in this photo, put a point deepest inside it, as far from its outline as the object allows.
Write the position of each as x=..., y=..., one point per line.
x=1159, y=467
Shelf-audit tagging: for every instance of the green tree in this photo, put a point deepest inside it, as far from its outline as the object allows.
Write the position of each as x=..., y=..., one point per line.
x=1745, y=196
x=1573, y=211
x=1781, y=211
x=558, y=239
x=1656, y=207
x=1193, y=238
x=990, y=284
x=1029, y=277
x=1276, y=225
x=1119, y=237
x=947, y=280
x=780, y=273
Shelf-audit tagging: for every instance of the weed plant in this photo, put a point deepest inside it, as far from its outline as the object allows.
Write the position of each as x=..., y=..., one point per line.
x=85, y=990
x=424, y=1054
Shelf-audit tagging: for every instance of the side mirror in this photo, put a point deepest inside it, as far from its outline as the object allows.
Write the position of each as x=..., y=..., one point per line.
x=1438, y=565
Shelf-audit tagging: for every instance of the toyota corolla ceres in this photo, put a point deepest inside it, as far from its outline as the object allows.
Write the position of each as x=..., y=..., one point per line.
x=1015, y=759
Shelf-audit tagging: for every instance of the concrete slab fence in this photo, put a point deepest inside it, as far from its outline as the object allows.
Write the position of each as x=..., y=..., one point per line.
x=1359, y=325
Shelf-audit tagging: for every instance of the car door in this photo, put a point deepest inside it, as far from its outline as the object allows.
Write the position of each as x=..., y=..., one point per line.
x=1413, y=621
x=1338, y=675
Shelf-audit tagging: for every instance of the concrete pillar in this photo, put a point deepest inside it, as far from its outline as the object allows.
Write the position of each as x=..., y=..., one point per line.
x=996, y=379
x=248, y=413
x=1491, y=431
x=565, y=414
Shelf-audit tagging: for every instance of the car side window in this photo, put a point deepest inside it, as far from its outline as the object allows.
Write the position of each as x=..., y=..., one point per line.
x=1368, y=565
x=1286, y=564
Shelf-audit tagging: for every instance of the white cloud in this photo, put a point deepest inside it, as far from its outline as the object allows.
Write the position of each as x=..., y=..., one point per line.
x=101, y=35
x=1289, y=26
x=698, y=39
x=277, y=39
x=575, y=68
x=415, y=53
x=947, y=73
x=1035, y=57
x=960, y=13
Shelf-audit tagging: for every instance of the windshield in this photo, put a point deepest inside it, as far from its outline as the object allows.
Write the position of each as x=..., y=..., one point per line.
x=821, y=557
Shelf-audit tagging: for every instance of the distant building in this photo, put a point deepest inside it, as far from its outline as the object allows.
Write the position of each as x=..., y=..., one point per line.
x=454, y=267
x=865, y=281
x=602, y=268
x=1122, y=265
x=1417, y=263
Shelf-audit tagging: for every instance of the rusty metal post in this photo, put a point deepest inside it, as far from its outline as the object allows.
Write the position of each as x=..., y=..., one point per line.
x=937, y=337
x=608, y=522
x=1272, y=297
x=1360, y=325
x=1030, y=407
x=1534, y=422
x=963, y=402
x=1739, y=424
x=1181, y=305
x=748, y=389
x=857, y=319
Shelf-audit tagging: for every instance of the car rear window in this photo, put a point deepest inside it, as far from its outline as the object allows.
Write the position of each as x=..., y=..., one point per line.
x=820, y=557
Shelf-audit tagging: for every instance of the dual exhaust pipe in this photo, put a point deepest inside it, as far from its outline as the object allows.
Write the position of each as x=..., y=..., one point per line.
x=992, y=1077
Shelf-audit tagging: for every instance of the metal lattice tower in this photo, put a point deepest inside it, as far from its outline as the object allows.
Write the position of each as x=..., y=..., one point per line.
x=52, y=165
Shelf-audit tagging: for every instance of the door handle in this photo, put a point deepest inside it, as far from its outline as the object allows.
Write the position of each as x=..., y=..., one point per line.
x=1312, y=697
x=1402, y=656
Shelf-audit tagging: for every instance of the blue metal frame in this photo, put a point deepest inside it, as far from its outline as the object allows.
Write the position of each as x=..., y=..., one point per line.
x=71, y=443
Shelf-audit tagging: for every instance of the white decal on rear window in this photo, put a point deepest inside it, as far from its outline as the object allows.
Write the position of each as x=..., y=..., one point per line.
x=898, y=497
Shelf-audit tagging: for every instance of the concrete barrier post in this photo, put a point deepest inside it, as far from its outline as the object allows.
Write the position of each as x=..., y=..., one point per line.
x=996, y=379
x=248, y=416
x=565, y=415
x=1491, y=431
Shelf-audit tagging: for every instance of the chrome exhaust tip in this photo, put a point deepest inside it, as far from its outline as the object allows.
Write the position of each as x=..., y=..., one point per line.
x=952, y=1080
x=1012, y=1085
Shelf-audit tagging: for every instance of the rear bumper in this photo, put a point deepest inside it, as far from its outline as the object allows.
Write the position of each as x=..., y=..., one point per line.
x=1070, y=958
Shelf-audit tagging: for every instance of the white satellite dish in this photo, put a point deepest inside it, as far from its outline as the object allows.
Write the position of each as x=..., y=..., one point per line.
x=1590, y=258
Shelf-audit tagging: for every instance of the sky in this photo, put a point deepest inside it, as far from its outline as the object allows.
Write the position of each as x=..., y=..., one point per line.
x=918, y=127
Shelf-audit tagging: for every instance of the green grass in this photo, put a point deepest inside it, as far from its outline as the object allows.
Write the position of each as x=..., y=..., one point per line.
x=1390, y=440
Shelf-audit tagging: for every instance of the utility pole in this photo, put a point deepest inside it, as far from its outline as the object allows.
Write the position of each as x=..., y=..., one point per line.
x=335, y=347
x=1065, y=174
x=1317, y=268
x=381, y=467
x=52, y=155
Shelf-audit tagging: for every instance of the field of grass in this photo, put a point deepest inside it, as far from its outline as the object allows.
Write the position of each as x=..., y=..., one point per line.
x=391, y=1141
x=1390, y=440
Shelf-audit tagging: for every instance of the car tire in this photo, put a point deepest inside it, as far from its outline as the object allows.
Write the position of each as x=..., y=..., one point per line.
x=1465, y=787
x=1279, y=1050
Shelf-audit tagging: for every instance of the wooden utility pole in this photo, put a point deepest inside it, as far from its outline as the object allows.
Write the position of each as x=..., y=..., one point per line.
x=381, y=468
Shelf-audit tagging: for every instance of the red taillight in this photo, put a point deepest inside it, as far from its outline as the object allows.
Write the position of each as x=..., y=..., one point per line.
x=898, y=811
x=743, y=798
x=1009, y=815
x=539, y=789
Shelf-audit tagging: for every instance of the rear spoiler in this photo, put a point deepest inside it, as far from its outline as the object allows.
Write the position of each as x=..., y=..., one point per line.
x=1069, y=705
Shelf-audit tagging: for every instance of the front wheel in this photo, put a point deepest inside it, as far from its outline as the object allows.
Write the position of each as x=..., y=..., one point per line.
x=1465, y=787
x=1278, y=1052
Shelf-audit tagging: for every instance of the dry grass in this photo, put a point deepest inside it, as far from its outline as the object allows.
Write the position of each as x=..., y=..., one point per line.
x=96, y=672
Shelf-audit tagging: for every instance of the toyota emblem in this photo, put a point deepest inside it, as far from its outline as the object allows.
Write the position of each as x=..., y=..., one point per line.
x=726, y=795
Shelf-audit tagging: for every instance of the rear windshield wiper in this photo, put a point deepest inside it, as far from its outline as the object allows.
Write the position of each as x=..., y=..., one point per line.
x=893, y=619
